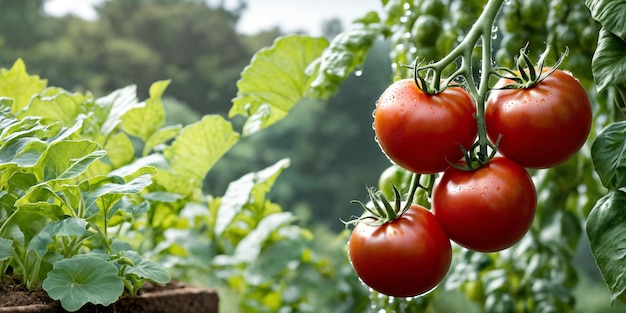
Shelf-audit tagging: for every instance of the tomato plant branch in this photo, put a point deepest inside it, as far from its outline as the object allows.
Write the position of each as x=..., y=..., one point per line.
x=481, y=33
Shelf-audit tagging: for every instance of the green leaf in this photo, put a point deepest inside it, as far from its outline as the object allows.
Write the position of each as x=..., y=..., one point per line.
x=144, y=121
x=112, y=107
x=146, y=269
x=5, y=249
x=192, y=154
x=606, y=228
x=108, y=193
x=609, y=61
x=18, y=85
x=56, y=105
x=160, y=137
x=23, y=152
x=42, y=200
x=273, y=260
x=346, y=52
x=608, y=154
x=68, y=159
x=69, y=227
x=250, y=246
x=83, y=279
x=119, y=150
x=609, y=13
x=275, y=81
x=239, y=193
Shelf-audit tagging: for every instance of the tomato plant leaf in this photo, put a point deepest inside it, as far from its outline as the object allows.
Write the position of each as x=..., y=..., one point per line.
x=145, y=120
x=609, y=60
x=83, y=279
x=606, y=228
x=608, y=154
x=610, y=14
x=192, y=154
x=275, y=81
x=346, y=52
x=18, y=85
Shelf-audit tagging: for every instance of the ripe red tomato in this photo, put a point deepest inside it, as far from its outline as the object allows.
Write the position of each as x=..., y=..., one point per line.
x=543, y=125
x=488, y=209
x=422, y=132
x=406, y=257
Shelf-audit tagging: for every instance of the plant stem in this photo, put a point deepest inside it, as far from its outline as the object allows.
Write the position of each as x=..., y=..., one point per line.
x=481, y=31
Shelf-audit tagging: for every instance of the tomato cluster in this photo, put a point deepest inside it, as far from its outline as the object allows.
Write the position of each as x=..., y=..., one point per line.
x=483, y=203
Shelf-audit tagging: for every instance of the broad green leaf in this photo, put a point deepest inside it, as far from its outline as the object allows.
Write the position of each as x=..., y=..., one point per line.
x=23, y=152
x=273, y=260
x=111, y=108
x=346, y=52
x=5, y=105
x=239, y=193
x=275, y=81
x=160, y=137
x=5, y=249
x=109, y=192
x=119, y=150
x=250, y=246
x=162, y=196
x=83, y=279
x=609, y=60
x=144, y=121
x=67, y=132
x=608, y=154
x=609, y=13
x=41, y=199
x=29, y=126
x=192, y=154
x=69, y=227
x=68, y=159
x=606, y=228
x=18, y=85
x=146, y=269
x=141, y=166
x=56, y=105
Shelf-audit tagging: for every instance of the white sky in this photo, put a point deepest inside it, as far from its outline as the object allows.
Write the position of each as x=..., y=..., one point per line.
x=290, y=15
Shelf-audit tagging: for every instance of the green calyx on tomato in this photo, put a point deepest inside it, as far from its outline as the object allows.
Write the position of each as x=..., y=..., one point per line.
x=423, y=132
x=406, y=257
x=528, y=74
x=543, y=120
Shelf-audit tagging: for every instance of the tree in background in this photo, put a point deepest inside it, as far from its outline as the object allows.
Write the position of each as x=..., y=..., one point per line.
x=136, y=42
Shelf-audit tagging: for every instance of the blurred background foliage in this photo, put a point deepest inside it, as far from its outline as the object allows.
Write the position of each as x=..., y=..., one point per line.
x=330, y=144
x=197, y=47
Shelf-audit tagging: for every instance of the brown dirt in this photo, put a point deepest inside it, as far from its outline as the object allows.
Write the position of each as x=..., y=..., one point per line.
x=173, y=297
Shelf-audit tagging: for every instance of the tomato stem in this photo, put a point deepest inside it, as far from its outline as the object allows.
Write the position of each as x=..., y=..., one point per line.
x=480, y=32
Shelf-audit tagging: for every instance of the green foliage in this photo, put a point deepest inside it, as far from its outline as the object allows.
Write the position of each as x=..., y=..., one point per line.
x=605, y=225
x=81, y=279
x=268, y=88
